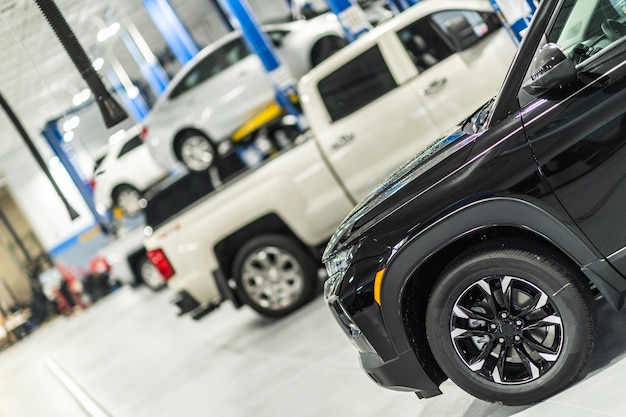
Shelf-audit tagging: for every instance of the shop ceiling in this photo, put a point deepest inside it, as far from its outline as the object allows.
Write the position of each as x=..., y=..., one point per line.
x=37, y=77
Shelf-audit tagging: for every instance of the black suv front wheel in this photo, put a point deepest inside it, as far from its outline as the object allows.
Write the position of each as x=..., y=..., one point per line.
x=511, y=324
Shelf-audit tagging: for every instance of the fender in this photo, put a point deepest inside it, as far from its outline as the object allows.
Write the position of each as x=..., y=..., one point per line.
x=484, y=214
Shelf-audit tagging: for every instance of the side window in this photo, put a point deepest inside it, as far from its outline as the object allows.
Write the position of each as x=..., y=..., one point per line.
x=424, y=44
x=464, y=28
x=438, y=36
x=130, y=145
x=583, y=29
x=211, y=65
x=356, y=84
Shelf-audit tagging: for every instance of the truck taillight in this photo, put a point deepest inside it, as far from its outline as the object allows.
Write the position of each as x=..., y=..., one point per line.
x=143, y=134
x=158, y=259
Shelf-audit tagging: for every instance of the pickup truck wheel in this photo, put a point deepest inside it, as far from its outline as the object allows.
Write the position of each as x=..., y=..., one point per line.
x=196, y=151
x=275, y=275
x=149, y=274
x=509, y=323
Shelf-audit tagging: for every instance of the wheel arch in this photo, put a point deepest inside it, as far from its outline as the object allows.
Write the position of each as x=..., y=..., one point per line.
x=336, y=41
x=118, y=187
x=431, y=250
x=227, y=248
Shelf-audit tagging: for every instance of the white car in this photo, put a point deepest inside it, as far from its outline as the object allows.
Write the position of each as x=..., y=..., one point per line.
x=225, y=85
x=125, y=172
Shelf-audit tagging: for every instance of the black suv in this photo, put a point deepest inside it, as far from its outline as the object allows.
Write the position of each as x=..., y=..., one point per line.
x=479, y=259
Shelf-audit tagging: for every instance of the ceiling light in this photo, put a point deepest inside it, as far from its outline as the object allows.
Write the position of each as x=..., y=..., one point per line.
x=71, y=124
x=81, y=97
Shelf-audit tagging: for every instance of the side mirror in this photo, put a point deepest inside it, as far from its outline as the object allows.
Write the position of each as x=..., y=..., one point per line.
x=461, y=32
x=550, y=68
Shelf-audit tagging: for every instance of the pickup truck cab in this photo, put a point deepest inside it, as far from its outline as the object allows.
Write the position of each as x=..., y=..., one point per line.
x=257, y=240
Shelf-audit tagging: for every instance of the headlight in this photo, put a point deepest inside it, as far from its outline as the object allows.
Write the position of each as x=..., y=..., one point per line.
x=336, y=267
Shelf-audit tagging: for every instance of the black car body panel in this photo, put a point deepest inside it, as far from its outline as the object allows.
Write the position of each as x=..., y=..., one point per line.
x=550, y=169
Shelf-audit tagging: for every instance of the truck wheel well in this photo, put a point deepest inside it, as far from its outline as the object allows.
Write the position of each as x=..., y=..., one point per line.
x=417, y=291
x=325, y=47
x=133, y=260
x=227, y=249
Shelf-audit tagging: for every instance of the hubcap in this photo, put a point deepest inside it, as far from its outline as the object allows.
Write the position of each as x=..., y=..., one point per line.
x=272, y=278
x=506, y=330
x=128, y=200
x=197, y=153
x=151, y=275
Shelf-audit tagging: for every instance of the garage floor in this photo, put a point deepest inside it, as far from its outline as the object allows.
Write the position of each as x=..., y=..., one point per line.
x=130, y=356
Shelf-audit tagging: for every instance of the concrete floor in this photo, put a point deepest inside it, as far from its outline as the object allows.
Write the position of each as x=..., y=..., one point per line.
x=130, y=356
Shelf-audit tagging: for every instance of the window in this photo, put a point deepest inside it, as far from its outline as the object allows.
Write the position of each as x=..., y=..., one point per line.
x=433, y=39
x=584, y=28
x=213, y=64
x=135, y=142
x=356, y=84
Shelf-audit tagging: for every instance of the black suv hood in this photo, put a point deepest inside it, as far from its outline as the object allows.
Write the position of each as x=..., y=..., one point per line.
x=370, y=211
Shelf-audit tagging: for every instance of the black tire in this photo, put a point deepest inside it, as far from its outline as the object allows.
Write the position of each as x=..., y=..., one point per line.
x=128, y=199
x=514, y=349
x=275, y=275
x=196, y=151
x=148, y=274
x=325, y=47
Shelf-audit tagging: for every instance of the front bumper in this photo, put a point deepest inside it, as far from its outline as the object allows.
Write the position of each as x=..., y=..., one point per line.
x=401, y=371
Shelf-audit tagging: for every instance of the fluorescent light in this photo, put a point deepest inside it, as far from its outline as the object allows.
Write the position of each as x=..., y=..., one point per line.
x=98, y=63
x=71, y=124
x=108, y=32
x=81, y=97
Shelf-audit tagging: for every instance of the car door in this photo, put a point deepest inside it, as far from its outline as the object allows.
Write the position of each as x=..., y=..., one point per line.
x=462, y=57
x=578, y=133
x=374, y=122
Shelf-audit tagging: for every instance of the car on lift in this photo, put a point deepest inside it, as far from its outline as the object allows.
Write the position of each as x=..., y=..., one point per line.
x=125, y=172
x=225, y=85
x=480, y=258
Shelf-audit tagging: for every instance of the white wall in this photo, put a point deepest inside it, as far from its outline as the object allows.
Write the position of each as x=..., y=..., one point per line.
x=38, y=200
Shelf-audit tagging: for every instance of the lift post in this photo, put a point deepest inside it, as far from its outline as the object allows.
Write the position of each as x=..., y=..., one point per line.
x=515, y=15
x=242, y=18
x=351, y=17
x=144, y=57
x=55, y=139
x=174, y=32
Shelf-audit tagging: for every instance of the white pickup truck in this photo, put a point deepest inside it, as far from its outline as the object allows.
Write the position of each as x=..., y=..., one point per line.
x=256, y=240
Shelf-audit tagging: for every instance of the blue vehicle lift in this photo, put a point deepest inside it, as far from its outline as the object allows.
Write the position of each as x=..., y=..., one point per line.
x=351, y=16
x=145, y=59
x=242, y=18
x=515, y=15
x=66, y=155
x=174, y=32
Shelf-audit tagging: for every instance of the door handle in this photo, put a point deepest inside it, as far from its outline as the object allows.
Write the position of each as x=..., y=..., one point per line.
x=434, y=87
x=342, y=140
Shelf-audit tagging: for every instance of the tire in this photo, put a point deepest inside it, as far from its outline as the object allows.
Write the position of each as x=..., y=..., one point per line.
x=128, y=199
x=511, y=353
x=149, y=274
x=275, y=275
x=325, y=47
x=196, y=151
